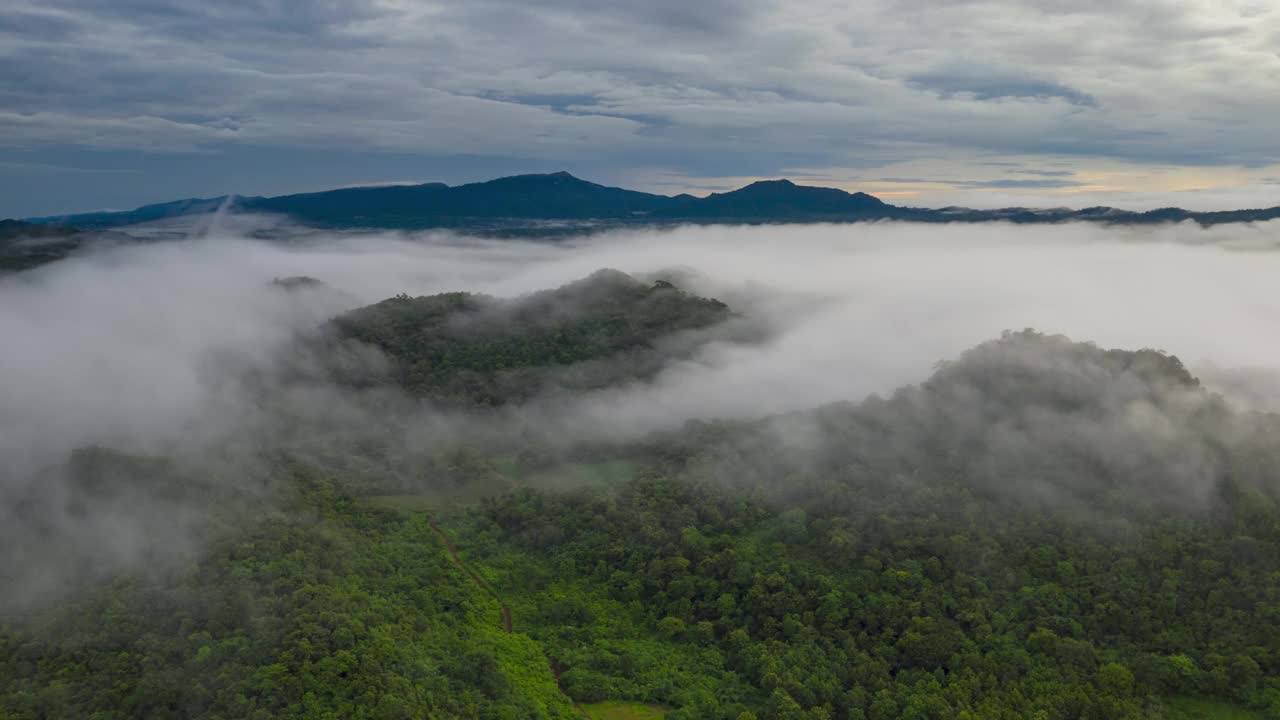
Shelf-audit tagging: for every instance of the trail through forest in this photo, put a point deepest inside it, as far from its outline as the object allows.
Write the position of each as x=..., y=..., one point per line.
x=556, y=669
x=453, y=553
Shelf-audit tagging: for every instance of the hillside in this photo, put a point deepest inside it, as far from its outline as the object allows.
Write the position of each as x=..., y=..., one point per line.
x=769, y=199
x=1042, y=528
x=146, y=213
x=467, y=349
x=25, y=245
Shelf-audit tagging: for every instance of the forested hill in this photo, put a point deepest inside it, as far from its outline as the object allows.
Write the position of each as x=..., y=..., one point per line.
x=468, y=349
x=523, y=204
x=1040, y=529
x=25, y=245
x=1028, y=421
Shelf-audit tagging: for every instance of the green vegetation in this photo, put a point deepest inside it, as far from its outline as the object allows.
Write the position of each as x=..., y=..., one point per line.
x=1042, y=529
x=402, y=503
x=470, y=349
x=1190, y=708
x=331, y=610
x=572, y=476
x=24, y=246
x=613, y=710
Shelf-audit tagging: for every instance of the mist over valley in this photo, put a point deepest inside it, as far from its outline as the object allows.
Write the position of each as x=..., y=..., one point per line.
x=183, y=416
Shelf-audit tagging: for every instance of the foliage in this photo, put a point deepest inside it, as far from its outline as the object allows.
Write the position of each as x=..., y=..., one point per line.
x=359, y=614
x=24, y=246
x=918, y=604
x=470, y=349
x=1043, y=529
x=1191, y=708
x=613, y=710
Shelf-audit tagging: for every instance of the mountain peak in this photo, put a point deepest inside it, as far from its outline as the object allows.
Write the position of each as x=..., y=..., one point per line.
x=781, y=184
x=561, y=177
x=785, y=199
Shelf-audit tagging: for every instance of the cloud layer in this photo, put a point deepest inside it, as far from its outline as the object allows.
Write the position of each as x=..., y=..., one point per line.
x=140, y=346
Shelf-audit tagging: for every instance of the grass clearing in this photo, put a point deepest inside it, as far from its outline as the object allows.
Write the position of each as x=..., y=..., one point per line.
x=573, y=476
x=615, y=710
x=1192, y=708
x=402, y=503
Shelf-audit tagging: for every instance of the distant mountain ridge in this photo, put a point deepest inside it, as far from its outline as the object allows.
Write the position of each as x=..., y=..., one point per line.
x=561, y=196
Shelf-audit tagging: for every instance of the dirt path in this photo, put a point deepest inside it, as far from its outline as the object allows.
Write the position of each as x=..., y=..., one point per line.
x=556, y=669
x=453, y=553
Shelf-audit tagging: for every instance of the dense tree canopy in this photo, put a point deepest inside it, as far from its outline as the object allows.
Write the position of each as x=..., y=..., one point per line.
x=1042, y=529
x=475, y=349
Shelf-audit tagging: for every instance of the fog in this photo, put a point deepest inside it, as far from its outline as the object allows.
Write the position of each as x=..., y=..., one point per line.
x=141, y=345
x=145, y=348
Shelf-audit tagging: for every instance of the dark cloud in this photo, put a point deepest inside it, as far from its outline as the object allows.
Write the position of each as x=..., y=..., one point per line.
x=32, y=23
x=678, y=17
x=200, y=21
x=983, y=87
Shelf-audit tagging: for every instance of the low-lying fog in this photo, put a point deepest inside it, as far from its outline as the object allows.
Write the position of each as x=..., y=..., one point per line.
x=139, y=346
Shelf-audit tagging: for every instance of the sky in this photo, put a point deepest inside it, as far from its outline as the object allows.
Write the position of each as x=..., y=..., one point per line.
x=1132, y=103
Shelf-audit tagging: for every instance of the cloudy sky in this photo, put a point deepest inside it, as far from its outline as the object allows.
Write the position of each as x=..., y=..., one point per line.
x=1137, y=103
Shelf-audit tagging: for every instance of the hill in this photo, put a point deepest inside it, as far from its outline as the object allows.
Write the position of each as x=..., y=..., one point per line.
x=773, y=199
x=915, y=561
x=462, y=348
x=26, y=245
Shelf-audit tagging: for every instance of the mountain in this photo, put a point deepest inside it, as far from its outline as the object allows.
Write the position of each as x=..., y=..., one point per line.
x=519, y=203
x=146, y=213
x=554, y=196
x=773, y=199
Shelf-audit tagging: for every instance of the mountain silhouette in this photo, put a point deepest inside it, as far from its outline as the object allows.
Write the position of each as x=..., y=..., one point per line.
x=560, y=196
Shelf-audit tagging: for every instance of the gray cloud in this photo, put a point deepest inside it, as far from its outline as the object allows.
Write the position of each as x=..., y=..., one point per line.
x=1047, y=173
x=983, y=87
x=748, y=88
x=1003, y=183
x=1017, y=183
x=673, y=17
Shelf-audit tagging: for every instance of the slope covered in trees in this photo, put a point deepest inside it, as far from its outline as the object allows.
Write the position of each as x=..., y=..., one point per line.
x=474, y=349
x=1041, y=529
x=25, y=245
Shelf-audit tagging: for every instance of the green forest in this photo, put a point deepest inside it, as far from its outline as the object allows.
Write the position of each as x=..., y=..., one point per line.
x=1041, y=529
